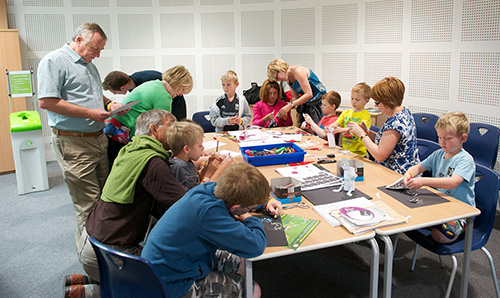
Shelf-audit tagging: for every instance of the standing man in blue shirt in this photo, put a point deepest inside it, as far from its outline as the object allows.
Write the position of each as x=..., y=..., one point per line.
x=69, y=88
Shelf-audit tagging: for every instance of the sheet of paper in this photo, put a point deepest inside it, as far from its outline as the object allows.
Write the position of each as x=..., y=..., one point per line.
x=229, y=153
x=124, y=107
x=212, y=144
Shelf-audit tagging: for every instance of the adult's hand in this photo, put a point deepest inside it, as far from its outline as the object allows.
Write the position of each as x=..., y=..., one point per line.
x=356, y=129
x=116, y=105
x=284, y=110
x=97, y=115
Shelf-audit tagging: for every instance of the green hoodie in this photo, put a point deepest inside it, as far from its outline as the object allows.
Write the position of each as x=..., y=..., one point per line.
x=128, y=166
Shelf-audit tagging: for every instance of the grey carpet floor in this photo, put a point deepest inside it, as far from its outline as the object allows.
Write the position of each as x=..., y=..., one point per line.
x=38, y=249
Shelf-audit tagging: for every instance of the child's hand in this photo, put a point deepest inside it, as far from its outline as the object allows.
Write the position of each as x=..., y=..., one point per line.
x=268, y=117
x=232, y=120
x=340, y=129
x=356, y=129
x=304, y=125
x=407, y=177
x=211, y=167
x=273, y=206
x=414, y=183
x=307, y=118
x=242, y=217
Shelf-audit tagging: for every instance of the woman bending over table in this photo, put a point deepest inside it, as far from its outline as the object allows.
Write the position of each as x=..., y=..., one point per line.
x=301, y=80
x=265, y=112
x=395, y=145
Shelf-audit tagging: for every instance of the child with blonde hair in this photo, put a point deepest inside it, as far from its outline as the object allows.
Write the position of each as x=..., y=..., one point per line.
x=360, y=96
x=230, y=111
x=452, y=168
x=185, y=139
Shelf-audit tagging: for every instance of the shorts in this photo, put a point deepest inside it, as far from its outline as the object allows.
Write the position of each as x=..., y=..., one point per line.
x=223, y=281
x=452, y=229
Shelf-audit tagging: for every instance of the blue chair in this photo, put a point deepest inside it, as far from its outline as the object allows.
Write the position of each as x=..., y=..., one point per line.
x=202, y=119
x=124, y=275
x=482, y=143
x=425, y=126
x=486, y=193
x=426, y=147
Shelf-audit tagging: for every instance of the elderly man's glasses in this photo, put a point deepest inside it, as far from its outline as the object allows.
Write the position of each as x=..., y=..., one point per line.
x=377, y=103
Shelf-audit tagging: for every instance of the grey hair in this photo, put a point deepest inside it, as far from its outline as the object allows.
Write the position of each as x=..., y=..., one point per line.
x=86, y=30
x=147, y=118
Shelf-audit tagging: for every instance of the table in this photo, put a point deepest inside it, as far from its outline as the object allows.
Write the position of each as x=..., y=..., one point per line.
x=323, y=236
x=375, y=175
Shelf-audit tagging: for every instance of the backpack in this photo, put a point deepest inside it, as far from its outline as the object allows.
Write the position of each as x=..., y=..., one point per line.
x=252, y=94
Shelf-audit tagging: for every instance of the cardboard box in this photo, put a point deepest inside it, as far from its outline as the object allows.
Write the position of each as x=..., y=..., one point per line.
x=286, y=190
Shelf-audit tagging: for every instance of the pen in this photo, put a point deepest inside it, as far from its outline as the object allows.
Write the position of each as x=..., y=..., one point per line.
x=411, y=175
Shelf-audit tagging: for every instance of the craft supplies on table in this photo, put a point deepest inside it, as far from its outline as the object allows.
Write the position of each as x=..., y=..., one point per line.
x=272, y=154
x=310, y=176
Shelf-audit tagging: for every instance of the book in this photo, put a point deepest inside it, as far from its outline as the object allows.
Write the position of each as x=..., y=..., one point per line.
x=363, y=215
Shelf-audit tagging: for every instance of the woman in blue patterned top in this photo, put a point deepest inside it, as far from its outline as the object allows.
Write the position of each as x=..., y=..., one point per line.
x=301, y=80
x=395, y=145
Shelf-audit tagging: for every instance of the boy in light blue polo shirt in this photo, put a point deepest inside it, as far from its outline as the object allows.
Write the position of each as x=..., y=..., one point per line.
x=452, y=168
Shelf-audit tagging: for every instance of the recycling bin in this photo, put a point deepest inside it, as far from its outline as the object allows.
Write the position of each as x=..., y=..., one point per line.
x=29, y=152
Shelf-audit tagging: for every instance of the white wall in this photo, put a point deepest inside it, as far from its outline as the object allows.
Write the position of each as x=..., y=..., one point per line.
x=446, y=52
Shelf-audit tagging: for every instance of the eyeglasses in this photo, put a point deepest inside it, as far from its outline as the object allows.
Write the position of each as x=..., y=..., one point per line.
x=377, y=103
x=245, y=209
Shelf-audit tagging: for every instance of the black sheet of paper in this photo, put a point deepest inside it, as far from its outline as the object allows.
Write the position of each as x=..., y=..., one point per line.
x=425, y=197
x=327, y=195
x=274, y=230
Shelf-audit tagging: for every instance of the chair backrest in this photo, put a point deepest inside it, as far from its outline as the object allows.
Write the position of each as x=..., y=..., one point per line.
x=486, y=194
x=482, y=143
x=202, y=119
x=124, y=275
x=425, y=123
x=426, y=147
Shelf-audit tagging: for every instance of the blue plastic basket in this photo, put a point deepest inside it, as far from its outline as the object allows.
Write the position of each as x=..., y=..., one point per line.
x=276, y=159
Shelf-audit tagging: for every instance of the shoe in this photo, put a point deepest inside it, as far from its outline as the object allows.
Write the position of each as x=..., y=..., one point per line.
x=74, y=291
x=76, y=279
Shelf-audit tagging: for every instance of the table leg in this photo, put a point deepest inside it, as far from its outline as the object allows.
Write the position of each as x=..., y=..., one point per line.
x=248, y=278
x=466, y=261
x=388, y=259
x=375, y=261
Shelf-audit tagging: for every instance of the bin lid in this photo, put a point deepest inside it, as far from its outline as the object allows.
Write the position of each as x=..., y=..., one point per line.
x=25, y=121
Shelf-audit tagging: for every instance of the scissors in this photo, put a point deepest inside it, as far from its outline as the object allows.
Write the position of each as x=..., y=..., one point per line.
x=300, y=205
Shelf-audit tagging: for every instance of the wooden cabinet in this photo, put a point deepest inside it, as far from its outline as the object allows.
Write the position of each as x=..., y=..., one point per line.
x=10, y=58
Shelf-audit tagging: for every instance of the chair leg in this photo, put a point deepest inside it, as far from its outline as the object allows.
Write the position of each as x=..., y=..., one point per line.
x=492, y=266
x=441, y=261
x=414, y=258
x=452, y=277
x=395, y=241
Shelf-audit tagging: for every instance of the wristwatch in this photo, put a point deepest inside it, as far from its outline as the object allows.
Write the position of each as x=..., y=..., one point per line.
x=361, y=137
x=293, y=105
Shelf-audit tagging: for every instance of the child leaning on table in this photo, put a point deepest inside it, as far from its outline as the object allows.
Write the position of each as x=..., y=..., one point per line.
x=360, y=96
x=230, y=111
x=452, y=168
x=198, y=245
x=329, y=104
x=185, y=139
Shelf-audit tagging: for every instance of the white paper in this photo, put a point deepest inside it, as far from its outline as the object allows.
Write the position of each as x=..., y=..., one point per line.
x=212, y=144
x=124, y=107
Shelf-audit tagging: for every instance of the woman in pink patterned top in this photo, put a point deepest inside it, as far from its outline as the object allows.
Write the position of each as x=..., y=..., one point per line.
x=265, y=112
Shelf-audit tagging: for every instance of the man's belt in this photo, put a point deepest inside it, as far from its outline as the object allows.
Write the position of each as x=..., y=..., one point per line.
x=64, y=133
